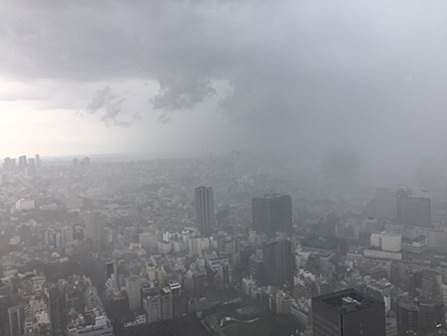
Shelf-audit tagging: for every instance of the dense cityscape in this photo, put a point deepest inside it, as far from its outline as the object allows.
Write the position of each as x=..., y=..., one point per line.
x=223, y=168
x=205, y=247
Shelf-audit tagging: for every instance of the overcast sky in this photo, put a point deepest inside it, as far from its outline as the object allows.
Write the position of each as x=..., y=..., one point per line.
x=191, y=77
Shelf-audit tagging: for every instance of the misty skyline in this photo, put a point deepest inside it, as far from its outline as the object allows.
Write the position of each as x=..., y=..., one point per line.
x=193, y=77
x=223, y=167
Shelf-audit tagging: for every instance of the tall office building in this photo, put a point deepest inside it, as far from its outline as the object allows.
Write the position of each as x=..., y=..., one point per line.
x=179, y=301
x=16, y=318
x=57, y=309
x=158, y=304
x=204, y=205
x=425, y=284
x=419, y=317
x=279, y=263
x=272, y=213
x=134, y=284
x=413, y=209
x=383, y=206
x=95, y=230
x=152, y=304
x=167, y=304
x=347, y=313
x=117, y=306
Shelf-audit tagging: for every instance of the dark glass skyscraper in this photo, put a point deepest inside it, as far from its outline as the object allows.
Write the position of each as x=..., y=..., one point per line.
x=272, y=213
x=347, y=313
x=57, y=309
x=279, y=263
x=204, y=205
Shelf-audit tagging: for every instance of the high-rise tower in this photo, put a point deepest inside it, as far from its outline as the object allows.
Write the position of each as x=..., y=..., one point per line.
x=204, y=205
x=272, y=213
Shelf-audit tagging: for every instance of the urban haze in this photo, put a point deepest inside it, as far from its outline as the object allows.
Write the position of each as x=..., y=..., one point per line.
x=223, y=168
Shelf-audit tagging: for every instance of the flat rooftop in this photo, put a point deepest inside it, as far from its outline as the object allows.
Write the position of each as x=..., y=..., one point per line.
x=347, y=300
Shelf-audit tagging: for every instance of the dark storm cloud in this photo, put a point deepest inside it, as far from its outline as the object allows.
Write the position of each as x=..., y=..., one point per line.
x=177, y=93
x=299, y=73
x=108, y=107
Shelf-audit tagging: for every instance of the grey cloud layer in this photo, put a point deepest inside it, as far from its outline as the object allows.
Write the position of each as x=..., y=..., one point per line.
x=363, y=73
x=109, y=108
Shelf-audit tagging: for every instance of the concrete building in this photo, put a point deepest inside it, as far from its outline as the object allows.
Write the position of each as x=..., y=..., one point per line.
x=25, y=204
x=387, y=241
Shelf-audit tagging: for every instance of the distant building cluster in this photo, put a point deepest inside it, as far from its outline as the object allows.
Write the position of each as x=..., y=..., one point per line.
x=28, y=165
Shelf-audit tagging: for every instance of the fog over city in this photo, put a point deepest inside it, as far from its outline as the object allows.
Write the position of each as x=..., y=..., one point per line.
x=223, y=167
